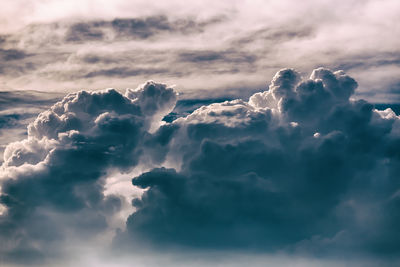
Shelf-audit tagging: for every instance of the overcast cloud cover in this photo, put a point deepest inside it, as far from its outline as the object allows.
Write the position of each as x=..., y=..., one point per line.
x=55, y=45
x=224, y=157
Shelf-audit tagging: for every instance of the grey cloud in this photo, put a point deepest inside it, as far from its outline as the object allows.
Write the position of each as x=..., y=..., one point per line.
x=141, y=28
x=3, y=38
x=10, y=99
x=108, y=30
x=52, y=183
x=124, y=72
x=366, y=61
x=298, y=164
x=9, y=120
x=12, y=54
x=221, y=47
x=41, y=50
x=80, y=32
x=211, y=62
x=17, y=63
x=230, y=56
x=54, y=60
x=176, y=64
x=276, y=34
x=299, y=168
x=228, y=61
x=185, y=107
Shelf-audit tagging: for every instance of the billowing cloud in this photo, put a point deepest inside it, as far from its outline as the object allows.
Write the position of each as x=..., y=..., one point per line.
x=301, y=169
x=52, y=183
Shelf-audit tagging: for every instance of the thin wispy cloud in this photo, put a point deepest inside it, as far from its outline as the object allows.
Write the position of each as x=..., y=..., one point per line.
x=243, y=42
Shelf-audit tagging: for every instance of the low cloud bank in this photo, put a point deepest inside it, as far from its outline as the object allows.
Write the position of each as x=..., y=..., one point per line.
x=301, y=168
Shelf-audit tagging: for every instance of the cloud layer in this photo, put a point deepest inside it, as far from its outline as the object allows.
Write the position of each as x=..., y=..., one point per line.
x=56, y=46
x=299, y=169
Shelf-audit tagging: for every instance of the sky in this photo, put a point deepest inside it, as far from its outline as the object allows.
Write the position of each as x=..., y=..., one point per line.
x=210, y=133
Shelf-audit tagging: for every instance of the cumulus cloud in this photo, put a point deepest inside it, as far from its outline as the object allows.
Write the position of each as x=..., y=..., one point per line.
x=301, y=168
x=52, y=183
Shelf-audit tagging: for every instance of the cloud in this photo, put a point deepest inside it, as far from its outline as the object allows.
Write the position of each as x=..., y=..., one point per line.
x=52, y=182
x=17, y=110
x=217, y=46
x=12, y=54
x=300, y=169
x=124, y=72
x=209, y=56
x=118, y=29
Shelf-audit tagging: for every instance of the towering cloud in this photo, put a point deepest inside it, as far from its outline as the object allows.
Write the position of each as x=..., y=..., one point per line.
x=52, y=183
x=299, y=168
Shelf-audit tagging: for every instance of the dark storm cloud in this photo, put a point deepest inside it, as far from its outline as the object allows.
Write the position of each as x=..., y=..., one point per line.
x=52, y=182
x=299, y=167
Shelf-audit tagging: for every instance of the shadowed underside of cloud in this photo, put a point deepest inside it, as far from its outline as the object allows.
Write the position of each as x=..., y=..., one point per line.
x=299, y=168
